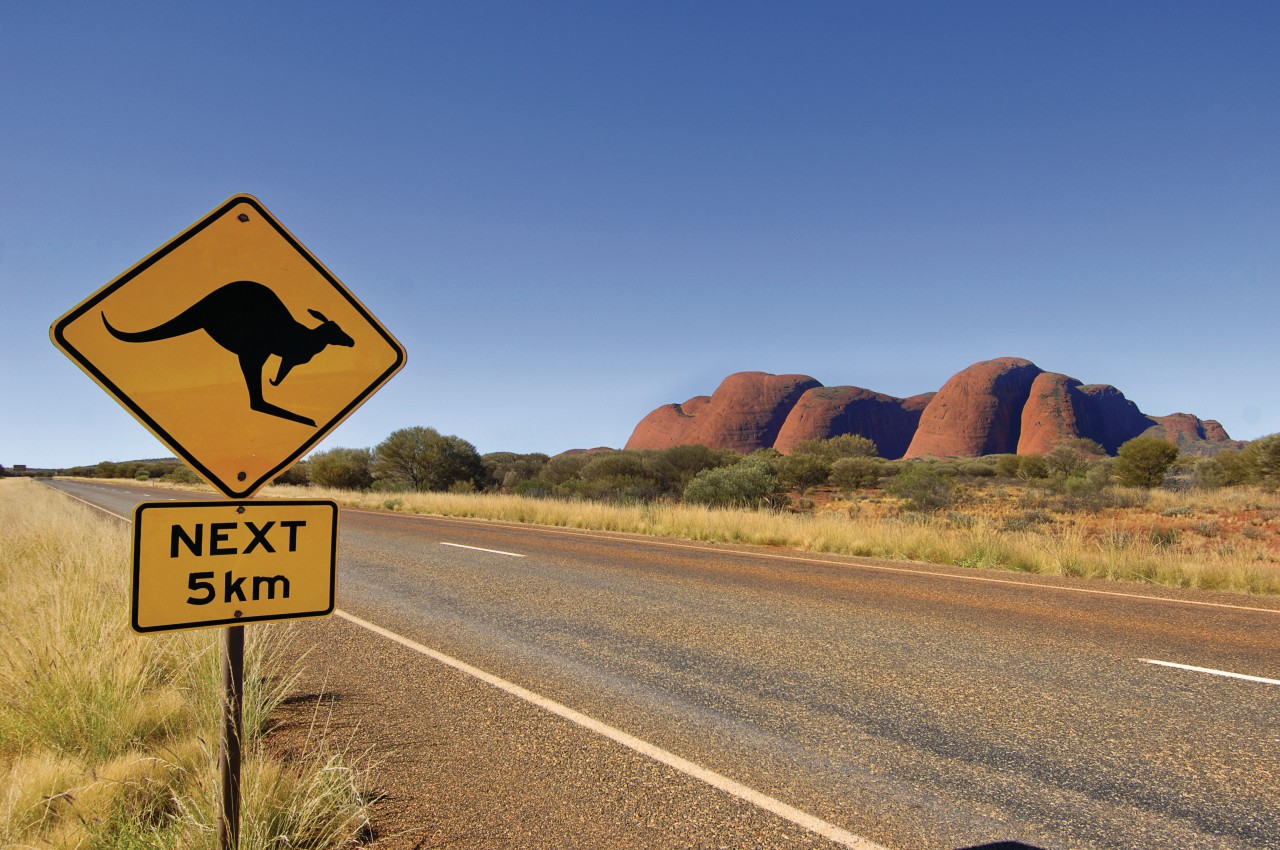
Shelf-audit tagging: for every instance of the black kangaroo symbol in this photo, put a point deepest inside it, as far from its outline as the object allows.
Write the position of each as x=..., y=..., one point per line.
x=249, y=320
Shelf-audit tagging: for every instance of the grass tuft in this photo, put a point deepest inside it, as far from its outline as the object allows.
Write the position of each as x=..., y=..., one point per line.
x=104, y=734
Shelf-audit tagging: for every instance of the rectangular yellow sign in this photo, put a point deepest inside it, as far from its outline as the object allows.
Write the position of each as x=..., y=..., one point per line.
x=200, y=564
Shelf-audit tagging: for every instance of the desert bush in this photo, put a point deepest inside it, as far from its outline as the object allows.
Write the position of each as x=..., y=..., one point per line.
x=565, y=467
x=672, y=469
x=834, y=448
x=751, y=483
x=1143, y=461
x=343, y=469
x=1006, y=465
x=419, y=458
x=855, y=473
x=537, y=488
x=1265, y=457
x=1064, y=460
x=1032, y=467
x=924, y=487
x=506, y=470
x=802, y=471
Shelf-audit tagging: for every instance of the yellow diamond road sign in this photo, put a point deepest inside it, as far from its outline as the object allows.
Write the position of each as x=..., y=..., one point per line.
x=232, y=344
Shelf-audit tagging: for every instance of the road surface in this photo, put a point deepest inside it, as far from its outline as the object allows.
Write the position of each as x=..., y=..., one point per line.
x=861, y=702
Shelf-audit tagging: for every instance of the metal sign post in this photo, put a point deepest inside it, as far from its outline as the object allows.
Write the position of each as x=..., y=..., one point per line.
x=232, y=735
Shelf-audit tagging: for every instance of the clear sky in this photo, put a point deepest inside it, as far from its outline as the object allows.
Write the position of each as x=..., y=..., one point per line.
x=571, y=213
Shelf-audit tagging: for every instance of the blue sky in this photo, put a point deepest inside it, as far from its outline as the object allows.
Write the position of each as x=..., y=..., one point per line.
x=571, y=213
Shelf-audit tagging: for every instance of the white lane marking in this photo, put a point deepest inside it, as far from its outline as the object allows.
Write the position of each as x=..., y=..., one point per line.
x=715, y=780
x=1212, y=672
x=479, y=549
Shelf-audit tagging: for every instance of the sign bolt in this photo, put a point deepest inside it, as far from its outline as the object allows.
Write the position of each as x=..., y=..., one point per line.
x=243, y=217
x=242, y=476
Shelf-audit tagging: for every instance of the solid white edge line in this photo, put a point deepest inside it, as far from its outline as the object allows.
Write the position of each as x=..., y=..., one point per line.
x=710, y=777
x=481, y=549
x=1211, y=671
x=109, y=513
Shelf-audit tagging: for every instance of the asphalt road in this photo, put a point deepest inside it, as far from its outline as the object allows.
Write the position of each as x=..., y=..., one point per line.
x=914, y=706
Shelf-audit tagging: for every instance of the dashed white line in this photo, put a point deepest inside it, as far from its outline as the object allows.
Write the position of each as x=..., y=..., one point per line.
x=1211, y=671
x=716, y=780
x=481, y=549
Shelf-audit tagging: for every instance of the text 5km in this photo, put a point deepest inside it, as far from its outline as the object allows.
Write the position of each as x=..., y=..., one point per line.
x=233, y=588
x=220, y=534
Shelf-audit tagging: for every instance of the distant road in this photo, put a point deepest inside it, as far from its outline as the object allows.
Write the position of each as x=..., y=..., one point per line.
x=911, y=706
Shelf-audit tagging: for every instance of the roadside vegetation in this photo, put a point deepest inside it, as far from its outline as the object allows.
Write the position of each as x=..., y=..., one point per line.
x=1145, y=515
x=107, y=738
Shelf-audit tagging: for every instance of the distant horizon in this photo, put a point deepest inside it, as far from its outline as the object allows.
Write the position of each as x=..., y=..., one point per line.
x=621, y=445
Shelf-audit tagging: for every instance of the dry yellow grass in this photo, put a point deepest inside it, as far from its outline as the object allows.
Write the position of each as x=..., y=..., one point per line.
x=1226, y=540
x=104, y=734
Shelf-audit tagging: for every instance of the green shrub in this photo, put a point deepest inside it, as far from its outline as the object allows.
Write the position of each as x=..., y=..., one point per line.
x=505, y=470
x=1064, y=460
x=538, y=488
x=844, y=445
x=342, y=469
x=566, y=467
x=298, y=474
x=854, y=473
x=1007, y=465
x=750, y=483
x=977, y=469
x=1143, y=461
x=924, y=488
x=1032, y=467
x=802, y=471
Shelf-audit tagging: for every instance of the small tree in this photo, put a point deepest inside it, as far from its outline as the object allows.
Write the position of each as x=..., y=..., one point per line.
x=1064, y=460
x=343, y=469
x=1262, y=461
x=1143, y=461
x=423, y=459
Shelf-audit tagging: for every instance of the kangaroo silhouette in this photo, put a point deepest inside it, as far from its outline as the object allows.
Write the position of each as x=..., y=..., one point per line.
x=249, y=320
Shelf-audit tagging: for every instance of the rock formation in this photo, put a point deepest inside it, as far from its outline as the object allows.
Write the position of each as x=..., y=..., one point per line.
x=823, y=412
x=1056, y=411
x=999, y=406
x=977, y=412
x=1190, y=434
x=745, y=413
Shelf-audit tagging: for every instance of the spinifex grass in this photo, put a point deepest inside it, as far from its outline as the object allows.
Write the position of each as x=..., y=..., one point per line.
x=105, y=736
x=1136, y=542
